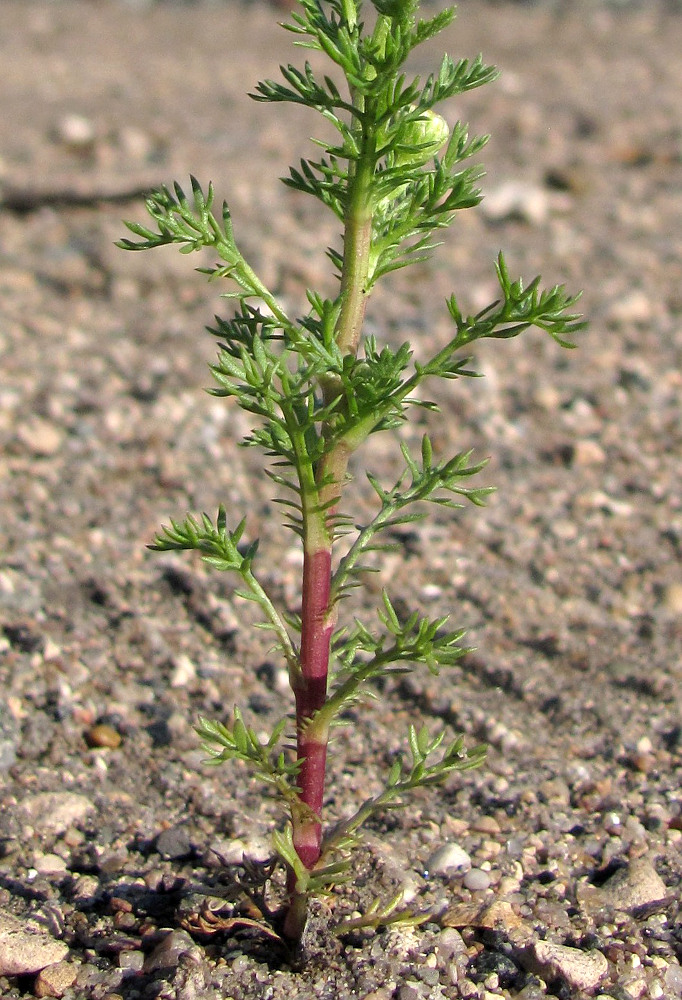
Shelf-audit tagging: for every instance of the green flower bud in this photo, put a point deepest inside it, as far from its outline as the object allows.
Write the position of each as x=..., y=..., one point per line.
x=421, y=138
x=398, y=10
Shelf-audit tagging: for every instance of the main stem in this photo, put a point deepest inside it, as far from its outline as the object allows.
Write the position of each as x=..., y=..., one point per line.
x=318, y=613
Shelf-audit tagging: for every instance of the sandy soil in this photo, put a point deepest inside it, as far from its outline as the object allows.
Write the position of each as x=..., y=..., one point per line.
x=569, y=582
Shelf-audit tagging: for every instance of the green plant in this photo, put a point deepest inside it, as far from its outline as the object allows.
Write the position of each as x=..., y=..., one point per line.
x=318, y=388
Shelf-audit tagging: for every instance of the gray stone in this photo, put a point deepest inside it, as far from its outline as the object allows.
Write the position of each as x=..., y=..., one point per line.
x=9, y=737
x=673, y=979
x=582, y=970
x=636, y=885
x=55, y=812
x=24, y=951
x=174, y=842
x=408, y=993
x=428, y=976
x=133, y=961
x=49, y=864
x=37, y=733
x=477, y=880
x=449, y=944
x=531, y=992
x=167, y=953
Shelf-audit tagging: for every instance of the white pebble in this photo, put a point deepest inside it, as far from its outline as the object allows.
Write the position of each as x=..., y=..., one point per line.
x=51, y=651
x=635, y=307
x=55, y=812
x=588, y=452
x=49, y=864
x=282, y=681
x=23, y=951
x=77, y=132
x=184, y=671
x=581, y=969
x=136, y=143
x=40, y=436
x=516, y=200
x=450, y=858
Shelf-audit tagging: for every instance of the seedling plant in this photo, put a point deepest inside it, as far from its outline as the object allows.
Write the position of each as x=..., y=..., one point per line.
x=318, y=387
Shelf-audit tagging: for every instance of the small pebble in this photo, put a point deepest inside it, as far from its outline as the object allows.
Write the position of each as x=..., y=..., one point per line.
x=672, y=598
x=582, y=970
x=51, y=651
x=49, y=864
x=10, y=735
x=175, y=842
x=486, y=824
x=588, y=452
x=673, y=979
x=22, y=951
x=468, y=989
x=113, y=861
x=449, y=943
x=55, y=812
x=73, y=837
x=428, y=976
x=476, y=880
x=636, y=885
x=40, y=437
x=167, y=953
x=138, y=144
x=450, y=858
x=516, y=200
x=531, y=992
x=77, y=133
x=408, y=993
x=132, y=961
x=184, y=672
x=55, y=980
x=635, y=307
x=85, y=889
x=103, y=735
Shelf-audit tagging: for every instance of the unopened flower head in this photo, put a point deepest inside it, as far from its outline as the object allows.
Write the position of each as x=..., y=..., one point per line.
x=421, y=139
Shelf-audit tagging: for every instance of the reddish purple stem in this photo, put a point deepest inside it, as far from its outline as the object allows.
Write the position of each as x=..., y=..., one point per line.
x=316, y=631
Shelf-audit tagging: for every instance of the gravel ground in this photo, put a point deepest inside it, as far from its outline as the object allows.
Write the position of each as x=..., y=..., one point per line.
x=555, y=869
